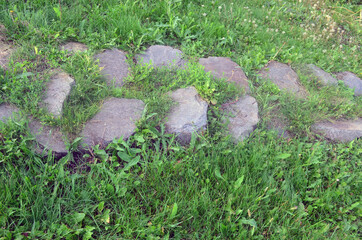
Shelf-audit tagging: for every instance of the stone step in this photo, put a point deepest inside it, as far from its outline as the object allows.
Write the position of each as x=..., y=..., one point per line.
x=58, y=89
x=7, y=112
x=222, y=67
x=317, y=73
x=74, y=47
x=284, y=77
x=189, y=115
x=341, y=130
x=352, y=81
x=116, y=119
x=242, y=117
x=162, y=56
x=114, y=66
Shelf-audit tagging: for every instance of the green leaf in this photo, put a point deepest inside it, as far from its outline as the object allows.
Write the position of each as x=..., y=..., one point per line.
x=100, y=206
x=218, y=174
x=250, y=222
x=174, y=211
x=57, y=12
x=238, y=182
x=124, y=156
x=133, y=162
x=283, y=156
x=78, y=217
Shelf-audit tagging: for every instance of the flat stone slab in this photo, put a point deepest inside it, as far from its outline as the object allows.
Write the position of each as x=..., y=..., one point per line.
x=352, y=81
x=58, y=89
x=342, y=131
x=116, y=119
x=222, y=67
x=5, y=53
x=189, y=115
x=162, y=56
x=114, y=66
x=47, y=138
x=242, y=117
x=322, y=77
x=74, y=47
x=284, y=77
x=7, y=112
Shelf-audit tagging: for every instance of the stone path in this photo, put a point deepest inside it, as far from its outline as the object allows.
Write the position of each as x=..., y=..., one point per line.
x=5, y=49
x=58, y=89
x=351, y=81
x=284, y=77
x=221, y=67
x=242, y=117
x=116, y=119
x=317, y=73
x=114, y=66
x=188, y=115
x=118, y=116
x=162, y=56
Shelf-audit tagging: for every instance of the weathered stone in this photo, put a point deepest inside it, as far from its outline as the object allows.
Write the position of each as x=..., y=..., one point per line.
x=352, y=81
x=321, y=76
x=116, y=119
x=7, y=112
x=284, y=77
x=242, y=117
x=189, y=115
x=74, y=47
x=162, y=56
x=114, y=66
x=5, y=51
x=47, y=138
x=342, y=131
x=222, y=67
x=57, y=92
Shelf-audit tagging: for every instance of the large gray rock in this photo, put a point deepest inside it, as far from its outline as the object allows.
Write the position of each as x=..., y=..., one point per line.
x=74, y=47
x=342, y=131
x=352, y=81
x=162, y=56
x=7, y=112
x=242, y=117
x=58, y=89
x=116, y=119
x=189, y=115
x=284, y=77
x=321, y=76
x=114, y=66
x=47, y=138
x=222, y=67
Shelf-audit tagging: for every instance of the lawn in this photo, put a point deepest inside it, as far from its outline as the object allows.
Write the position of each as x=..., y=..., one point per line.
x=150, y=186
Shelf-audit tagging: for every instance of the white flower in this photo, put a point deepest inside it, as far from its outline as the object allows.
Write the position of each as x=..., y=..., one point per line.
x=220, y=7
x=283, y=32
x=202, y=5
x=204, y=14
x=276, y=30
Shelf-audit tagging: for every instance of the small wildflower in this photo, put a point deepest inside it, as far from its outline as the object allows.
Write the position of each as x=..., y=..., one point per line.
x=283, y=32
x=245, y=20
x=337, y=180
x=204, y=14
x=324, y=51
x=340, y=46
x=276, y=30
x=220, y=7
x=266, y=17
x=223, y=38
x=304, y=33
x=202, y=5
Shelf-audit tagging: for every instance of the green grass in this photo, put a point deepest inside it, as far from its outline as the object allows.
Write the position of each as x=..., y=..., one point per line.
x=150, y=187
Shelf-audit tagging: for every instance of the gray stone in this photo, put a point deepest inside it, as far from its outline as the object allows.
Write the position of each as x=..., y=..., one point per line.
x=342, y=131
x=284, y=77
x=5, y=52
x=74, y=47
x=352, y=81
x=47, y=138
x=322, y=77
x=116, y=119
x=58, y=89
x=114, y=66
x=222, y=67
x=189, y=115
x=7, y=112
x=162, y=56
x=242, y=117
